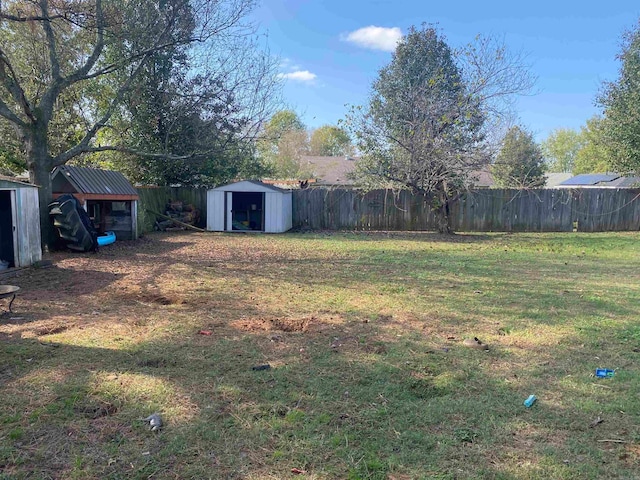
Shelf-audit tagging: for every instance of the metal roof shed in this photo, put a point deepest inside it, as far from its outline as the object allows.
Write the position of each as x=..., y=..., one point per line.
x=19, y=224
x=107, y=196
x=249, y=206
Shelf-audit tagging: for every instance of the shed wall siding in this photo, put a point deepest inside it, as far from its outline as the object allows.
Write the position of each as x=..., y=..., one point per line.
x=229, y=211
x=134, y=220
x=29, y=250
x=279, y=215
x=287, y=212
x=215, y=211
x=271, y=212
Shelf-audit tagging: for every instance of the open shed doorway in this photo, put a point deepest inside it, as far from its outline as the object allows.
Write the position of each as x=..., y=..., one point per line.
x=247, y=211
x=112, y=216
x=7, y=252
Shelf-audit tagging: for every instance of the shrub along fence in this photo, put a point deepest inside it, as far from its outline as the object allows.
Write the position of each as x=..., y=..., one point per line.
x=504, y=210
x=155, y=199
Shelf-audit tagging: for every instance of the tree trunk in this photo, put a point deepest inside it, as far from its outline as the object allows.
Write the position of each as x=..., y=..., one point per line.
x=41, y=176
x=40, y=164
x=443, y=220
x=441, y=211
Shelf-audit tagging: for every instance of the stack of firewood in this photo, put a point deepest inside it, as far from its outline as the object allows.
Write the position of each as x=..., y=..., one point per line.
x=181, y=213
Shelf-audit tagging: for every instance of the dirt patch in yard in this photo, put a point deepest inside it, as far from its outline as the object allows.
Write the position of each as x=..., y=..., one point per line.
x=288, y=325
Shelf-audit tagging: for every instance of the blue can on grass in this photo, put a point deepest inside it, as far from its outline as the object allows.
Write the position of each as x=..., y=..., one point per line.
x=531, y=399
x=604, y=372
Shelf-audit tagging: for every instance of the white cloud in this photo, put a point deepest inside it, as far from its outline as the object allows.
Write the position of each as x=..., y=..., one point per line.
x=375, y=38
x=299, y=76
x=288, y=64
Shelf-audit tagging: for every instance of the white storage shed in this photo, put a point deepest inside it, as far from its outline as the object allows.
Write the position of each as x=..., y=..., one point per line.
x=249, y=206
x=19, y=224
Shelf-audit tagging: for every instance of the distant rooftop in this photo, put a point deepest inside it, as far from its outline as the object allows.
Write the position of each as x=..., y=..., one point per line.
x=483, y=178
x=611, y=180
x=590, y=179
x=554, y=179
x=330, y=170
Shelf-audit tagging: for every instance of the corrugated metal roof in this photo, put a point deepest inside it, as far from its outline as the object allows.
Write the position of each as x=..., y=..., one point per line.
x=96, y=181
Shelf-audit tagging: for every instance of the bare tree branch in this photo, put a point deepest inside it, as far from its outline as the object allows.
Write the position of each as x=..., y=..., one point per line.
x=132, y=151
x=60, y=83
x=9, y=115
x=30, y=18
x=9, y=80
x=51, y=40
x=102, y=122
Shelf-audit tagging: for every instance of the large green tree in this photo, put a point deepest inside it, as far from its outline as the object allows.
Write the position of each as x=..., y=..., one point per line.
x=594, y=156
x=67, y=69
x=561, y=149
x=423, y=129
x=196, y=122
x=520, y=163
x=330, y=140
x=282, y=144
x=620, y=101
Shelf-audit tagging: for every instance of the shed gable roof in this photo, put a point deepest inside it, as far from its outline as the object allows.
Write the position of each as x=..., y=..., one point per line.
x=12, y=182
x=250, y=185
x=94, y=181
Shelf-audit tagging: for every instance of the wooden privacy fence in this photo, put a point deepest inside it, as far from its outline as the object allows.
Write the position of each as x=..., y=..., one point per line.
x=541, y=210
x=155, y=199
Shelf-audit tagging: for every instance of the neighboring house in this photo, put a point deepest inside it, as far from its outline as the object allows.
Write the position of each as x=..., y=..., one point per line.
x=336, y=171
x=329, y=171
x=600, y=180
x=483, y=178
x=552, y=180
x=322, y=171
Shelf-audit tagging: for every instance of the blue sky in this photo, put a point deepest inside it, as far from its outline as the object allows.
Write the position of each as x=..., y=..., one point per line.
x=330, y=57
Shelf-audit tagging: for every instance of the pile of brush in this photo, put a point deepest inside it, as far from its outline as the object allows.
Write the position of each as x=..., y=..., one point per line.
x=181, y=213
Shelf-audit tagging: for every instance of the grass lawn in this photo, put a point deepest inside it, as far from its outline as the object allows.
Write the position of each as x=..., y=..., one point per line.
x=364, y=333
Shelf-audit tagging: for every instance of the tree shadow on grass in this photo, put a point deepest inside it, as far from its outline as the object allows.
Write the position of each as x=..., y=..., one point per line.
x=348, y=399
x=335, y=411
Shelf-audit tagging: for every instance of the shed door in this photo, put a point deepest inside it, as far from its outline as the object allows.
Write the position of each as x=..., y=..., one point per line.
x=228, y=206
x=7, y=227
x=215, y=211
